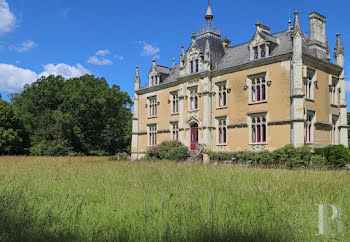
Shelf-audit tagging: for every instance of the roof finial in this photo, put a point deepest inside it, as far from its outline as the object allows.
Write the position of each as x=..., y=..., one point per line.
x=338, y=47
x=290, y=20
x=209, y=16
x=296, y=27
x=173, y=61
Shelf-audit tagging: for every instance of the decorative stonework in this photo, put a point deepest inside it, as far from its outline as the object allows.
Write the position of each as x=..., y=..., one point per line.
x=258, y=147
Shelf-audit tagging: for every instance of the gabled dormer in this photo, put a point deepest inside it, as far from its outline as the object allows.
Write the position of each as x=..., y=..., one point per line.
x=194, y=60
x=262, y=43
x=157, y=73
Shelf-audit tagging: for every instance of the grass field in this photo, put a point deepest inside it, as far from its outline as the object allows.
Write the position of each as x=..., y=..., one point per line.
x=88, y=198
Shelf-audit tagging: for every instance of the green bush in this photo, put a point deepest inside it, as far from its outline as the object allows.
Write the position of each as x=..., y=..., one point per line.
x=337, y=156
x=170, y=150
x=317, y=162
x=264, y=157
x=221, y=156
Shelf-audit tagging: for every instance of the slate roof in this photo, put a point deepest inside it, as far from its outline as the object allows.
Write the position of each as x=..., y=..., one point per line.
x=236, y=55
x=240, y=54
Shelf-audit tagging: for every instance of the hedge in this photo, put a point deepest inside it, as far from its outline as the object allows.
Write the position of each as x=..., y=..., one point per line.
x=332, y=157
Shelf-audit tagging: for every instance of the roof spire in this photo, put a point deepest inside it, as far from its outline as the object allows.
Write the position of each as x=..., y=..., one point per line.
x=338, y=47
x=296, y=27
x=137, y=80
x=209, y=16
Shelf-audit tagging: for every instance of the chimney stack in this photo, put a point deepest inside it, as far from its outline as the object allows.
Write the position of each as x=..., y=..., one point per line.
x=318, y=40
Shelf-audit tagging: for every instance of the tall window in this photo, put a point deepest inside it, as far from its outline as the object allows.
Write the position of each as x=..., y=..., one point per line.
x=256, y=53
x=262, y=51
x=222, y=131
x=333, y=91
x=259, y=129
x=152, y=107
x=222, y=91
x=152, y=135
x=152, y=80
x=175, y=133
x=258, y=89
x=193, y=100
x=175, y=103
x=309, y=127
x=308, y=83
x=191, y=63
x=334, y=130
x=197, y=65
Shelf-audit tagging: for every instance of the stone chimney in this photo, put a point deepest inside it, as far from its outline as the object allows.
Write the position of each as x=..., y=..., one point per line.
x=318, y=43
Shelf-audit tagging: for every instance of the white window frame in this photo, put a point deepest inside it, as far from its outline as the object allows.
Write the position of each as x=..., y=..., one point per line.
x=175, y=131
x=333, y=94
x=309, y=84
x=221, y=89
x=309, y=132
x=253, y=86
x=334, y=130
x=152, y=135
x=152, y=107
x=175, y=102
x=193, y=99
x=257, y=127
x=221, y=127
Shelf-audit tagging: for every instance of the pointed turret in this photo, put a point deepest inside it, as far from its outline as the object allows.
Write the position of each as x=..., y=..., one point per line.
x=182, y=57
x=209, y=16
x=296, y=27
x=153, y=62
x=338, y=52
x=137, y=80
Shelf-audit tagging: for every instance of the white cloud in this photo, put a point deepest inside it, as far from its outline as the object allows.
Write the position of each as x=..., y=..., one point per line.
x=64, y=70
x=347, y=86
x=96, y=61
x=103, y=52
x=101, y=60
x=149, y=49
x=119, y=57
x=7, y=18
x=24, y=46
x=14, y=78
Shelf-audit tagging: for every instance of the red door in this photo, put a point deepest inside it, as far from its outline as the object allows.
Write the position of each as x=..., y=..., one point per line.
x=194, y=136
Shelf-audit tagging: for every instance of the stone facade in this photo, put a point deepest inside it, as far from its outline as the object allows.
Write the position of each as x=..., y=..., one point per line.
x=274, y=90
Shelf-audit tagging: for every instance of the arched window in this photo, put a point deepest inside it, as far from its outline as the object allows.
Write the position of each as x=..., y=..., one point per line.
x=222, y=131
x=258, y=128
x=258, y=89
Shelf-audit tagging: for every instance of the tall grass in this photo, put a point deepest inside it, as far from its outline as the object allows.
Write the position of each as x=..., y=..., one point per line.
x=87, y=198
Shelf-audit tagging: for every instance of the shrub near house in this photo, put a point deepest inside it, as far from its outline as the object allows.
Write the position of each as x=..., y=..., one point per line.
x=289, y=156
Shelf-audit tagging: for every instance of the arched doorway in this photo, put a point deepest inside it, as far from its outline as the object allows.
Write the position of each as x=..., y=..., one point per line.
x=194, y=136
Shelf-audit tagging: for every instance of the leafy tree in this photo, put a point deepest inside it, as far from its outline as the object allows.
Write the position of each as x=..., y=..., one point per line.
x=349, y=128
x=75, y=116
x=13, y=139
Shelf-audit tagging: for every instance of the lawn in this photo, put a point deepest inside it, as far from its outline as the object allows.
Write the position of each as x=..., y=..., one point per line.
x=92, y=198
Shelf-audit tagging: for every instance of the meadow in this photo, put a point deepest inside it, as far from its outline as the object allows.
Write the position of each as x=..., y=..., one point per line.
x=92, y=198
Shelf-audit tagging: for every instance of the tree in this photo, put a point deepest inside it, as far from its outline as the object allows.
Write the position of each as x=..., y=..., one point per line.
x=75, y=116
x=13, y=139
x=349, y=128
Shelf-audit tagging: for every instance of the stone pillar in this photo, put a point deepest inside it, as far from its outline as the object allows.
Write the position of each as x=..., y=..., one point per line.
x=297, y=90
x=135, y=119
x=207, y=111
x=343, y=122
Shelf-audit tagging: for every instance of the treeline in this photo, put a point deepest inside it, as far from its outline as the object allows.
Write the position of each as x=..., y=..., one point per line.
x=55, y=116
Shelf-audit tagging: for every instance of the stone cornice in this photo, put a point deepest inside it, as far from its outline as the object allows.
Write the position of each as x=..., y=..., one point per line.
x=326, y=64
x=279, y=122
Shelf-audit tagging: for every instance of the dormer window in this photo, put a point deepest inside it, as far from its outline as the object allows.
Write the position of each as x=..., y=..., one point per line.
x=191, y=63
x=263, y=51
x=197, y=65
x=256, y=53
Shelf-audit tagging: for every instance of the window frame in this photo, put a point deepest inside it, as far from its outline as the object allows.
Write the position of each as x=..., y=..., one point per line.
x=222, y=131
x=334, y=130
x=193, y=98
x=175, y=131
x=258, y=88
x=258, y=129
x=309, y=129
x=152, y=135
x=152, y=107
x=175, y=102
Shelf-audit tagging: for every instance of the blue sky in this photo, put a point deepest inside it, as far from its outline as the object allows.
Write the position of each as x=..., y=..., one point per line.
x=108, y=38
